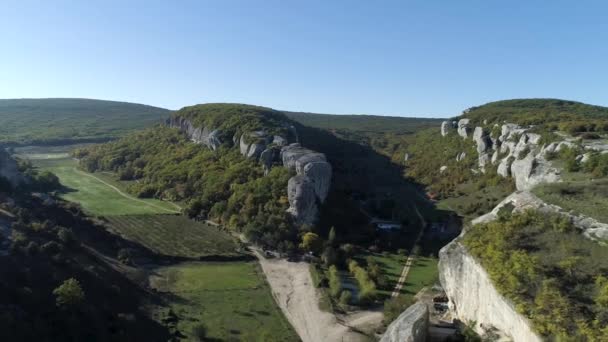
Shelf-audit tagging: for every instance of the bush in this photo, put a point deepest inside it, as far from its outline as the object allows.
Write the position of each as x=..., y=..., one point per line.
x=395, y=306
x=335, y=283
x=345, y=297
x=69, y=294
x=318, y=279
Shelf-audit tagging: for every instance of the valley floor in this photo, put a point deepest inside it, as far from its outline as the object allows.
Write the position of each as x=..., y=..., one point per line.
x=293, y=290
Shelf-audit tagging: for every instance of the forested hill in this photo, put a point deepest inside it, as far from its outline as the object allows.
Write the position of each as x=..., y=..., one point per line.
x=363, y=123
x=57, y=120
x=548, y=112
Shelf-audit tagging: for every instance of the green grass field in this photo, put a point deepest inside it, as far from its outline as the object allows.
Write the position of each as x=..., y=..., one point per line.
x=97, y=196
x=231, y=299
x=581, y=196
x=422, y=273
x=174, y=235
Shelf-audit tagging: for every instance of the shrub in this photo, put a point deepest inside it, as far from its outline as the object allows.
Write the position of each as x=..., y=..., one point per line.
x=69, y=294
x=335, y=283
x=345, y=297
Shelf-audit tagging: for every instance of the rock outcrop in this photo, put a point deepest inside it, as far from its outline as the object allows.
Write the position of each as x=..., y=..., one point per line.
x=445, y=126
x=463, y=128
x=310, y=185
x=515, y=152
x=473, y=298
x=524, y=200
x=306, y=190
x=411, y=326
x=206, y=136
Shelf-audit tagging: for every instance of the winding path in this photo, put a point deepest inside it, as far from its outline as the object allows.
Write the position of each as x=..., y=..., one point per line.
x=129, y=196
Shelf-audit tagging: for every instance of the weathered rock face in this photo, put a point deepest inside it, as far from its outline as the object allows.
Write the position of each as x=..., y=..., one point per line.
x=313, y=171
x=504, y=168
x=473, y=297
x=445, y=126
x=411, y=326
x=482, y=140
x=9, y=170
x=524, y=200
x=306, y=191
x=463, y=127
x=302, y=199
x=205, y=136
x=533, y=170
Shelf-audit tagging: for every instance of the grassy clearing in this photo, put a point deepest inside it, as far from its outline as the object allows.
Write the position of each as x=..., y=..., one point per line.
x=584, y=196
x=232, y=300
x=472, y=201
x=422, y=273
x=174, y=235
x=96, y=196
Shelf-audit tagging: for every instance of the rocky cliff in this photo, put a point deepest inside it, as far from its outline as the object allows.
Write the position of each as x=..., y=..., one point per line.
x=515, y=152
x=411, y=326
x=473, y=298
x=306, y=190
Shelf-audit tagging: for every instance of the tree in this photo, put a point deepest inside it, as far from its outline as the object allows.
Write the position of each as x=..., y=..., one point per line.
x=335, y=284
x=331, y=239
x=345, y=297
x=311, y=242
x=69, y=294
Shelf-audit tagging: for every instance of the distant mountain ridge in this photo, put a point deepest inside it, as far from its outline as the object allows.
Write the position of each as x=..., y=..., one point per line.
x=57, y=120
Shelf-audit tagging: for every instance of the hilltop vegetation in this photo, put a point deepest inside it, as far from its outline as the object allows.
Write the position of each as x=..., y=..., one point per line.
x=234, y=118
x=551, y=114
x=41, y=121
x=553, y=274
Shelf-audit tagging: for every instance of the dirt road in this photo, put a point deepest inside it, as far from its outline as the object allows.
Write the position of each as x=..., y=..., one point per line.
x=292, y=288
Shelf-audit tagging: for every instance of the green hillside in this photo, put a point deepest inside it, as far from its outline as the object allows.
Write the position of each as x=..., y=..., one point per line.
x=28, y=121
x=363, y=123
x=571, y=116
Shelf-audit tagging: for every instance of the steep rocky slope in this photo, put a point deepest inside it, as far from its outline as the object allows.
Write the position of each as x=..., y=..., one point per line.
x=473, y=297
x=269, y=144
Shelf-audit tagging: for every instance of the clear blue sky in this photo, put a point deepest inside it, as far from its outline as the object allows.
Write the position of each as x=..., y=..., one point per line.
x=411, y=58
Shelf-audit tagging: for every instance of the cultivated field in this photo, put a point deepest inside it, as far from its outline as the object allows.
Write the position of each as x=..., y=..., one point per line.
x=96, y=195
x=174, y=235
x=231, y=299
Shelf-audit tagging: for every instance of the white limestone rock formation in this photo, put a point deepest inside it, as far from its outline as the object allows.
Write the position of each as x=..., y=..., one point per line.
x=524, y=200
x=533, y=170
x=302, y=199
x=313, y=173
x=445, y=126
x=206, y=136
x=473, y=298
x=411, y=326
x=463, y=128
